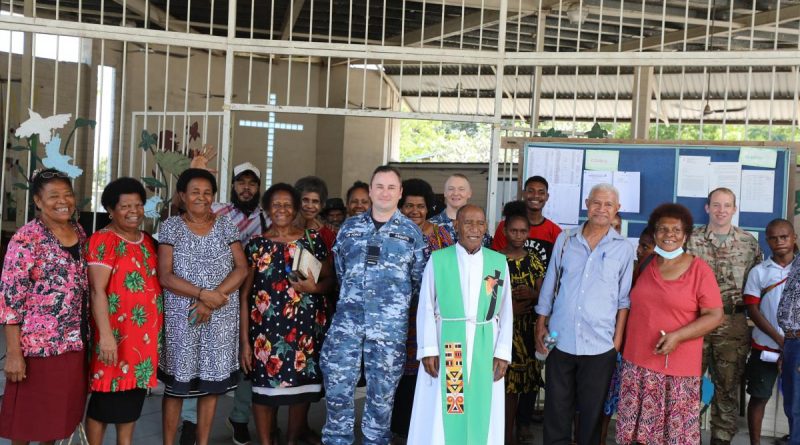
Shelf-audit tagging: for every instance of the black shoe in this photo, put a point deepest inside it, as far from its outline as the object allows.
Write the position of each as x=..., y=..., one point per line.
x=241, y=433
x=188, y=433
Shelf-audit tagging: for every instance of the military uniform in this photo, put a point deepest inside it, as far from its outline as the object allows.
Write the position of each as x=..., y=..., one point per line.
x=725, y=349
x=379, y=271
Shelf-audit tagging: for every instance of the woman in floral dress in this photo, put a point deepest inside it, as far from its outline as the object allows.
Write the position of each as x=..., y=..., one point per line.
x=283, y=319
x=526, y=271
x=127, y=309
x=43, y=305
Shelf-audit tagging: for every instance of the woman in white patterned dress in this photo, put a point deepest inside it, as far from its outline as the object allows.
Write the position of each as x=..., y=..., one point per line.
x=201, y=266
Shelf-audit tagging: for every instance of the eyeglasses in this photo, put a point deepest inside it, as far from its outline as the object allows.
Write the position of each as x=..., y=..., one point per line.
x=662, y=230
x=49, y=174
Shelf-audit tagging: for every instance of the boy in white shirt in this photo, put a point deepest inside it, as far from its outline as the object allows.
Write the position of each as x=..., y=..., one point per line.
x=762, y=293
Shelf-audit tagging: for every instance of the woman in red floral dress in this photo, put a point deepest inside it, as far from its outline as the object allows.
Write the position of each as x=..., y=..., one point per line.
x=127, y=312
x=282, y=321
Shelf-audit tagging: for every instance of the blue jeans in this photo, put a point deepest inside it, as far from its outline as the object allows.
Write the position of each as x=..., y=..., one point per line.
x=790, y=377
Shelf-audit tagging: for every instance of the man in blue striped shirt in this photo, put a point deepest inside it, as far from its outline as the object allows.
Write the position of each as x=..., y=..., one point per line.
x=585, y=297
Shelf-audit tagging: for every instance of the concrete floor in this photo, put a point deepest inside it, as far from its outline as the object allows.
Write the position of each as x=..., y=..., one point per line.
x=148, y=428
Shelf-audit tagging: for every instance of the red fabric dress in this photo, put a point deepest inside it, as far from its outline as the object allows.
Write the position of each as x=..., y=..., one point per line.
x=135, y=306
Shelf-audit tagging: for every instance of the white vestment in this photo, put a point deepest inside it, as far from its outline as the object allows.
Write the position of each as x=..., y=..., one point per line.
x=426, y=418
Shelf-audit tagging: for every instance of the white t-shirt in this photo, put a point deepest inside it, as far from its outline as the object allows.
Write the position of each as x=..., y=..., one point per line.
x=761, y=277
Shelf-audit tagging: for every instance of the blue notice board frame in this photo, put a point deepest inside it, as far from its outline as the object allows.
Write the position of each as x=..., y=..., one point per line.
x=658, y=164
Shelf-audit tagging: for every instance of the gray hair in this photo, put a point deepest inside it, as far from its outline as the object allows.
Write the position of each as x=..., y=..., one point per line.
x=603, y=187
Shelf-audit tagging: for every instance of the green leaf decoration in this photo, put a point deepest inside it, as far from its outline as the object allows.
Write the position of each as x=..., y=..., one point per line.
x=597, y=132
x=21, y=186
x=160, y=340
x=113, y=303
x=143, y=372
x=134, y=281
x=145, y=252
x=117, y=336
x=139, y=315
x=310, y=367
x=115, y=384
x=281, y=347
x=553, y=133
x=173, y=162
x=101, y=252
x=148, y=140
x=83, y=122
x=121, y=249
x=153, y=182
x=160, y=303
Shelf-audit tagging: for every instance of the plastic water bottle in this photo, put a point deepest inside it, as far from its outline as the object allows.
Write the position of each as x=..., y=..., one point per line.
x=550, y=341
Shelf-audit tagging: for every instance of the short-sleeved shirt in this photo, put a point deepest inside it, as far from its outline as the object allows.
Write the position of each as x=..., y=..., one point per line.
x=730, y=258
x=135, y=311
x=249, y=225
x=668, y=305
x=541, y=238
x=764, y=287
x=45, y=291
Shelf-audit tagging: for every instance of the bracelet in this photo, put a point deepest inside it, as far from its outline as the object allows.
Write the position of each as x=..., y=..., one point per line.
x=199, y=293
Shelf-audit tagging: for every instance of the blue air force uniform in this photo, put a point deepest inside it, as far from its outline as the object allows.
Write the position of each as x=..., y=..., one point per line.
x=379, y=271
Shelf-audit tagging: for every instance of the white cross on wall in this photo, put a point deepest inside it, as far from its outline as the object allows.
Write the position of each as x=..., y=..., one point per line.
x=271, y=126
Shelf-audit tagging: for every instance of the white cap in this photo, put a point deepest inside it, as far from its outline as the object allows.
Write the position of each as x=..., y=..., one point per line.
x=247, y=166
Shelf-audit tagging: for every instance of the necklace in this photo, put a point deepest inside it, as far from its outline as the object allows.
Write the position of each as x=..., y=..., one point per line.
x=206, y=219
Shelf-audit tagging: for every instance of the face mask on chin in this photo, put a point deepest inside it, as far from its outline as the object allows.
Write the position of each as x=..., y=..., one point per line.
x=669, y=255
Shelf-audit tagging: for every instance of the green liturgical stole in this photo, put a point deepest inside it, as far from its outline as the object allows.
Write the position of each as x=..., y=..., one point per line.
x=467, y=396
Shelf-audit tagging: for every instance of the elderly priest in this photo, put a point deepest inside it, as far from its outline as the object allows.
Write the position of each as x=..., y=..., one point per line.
x=464, y=329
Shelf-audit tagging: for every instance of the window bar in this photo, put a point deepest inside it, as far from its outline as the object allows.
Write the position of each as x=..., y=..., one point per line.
x=727, y=74
x=660, y=71
x=123, y=103
x=749, y=75
x=619, y=70
x=250, y=56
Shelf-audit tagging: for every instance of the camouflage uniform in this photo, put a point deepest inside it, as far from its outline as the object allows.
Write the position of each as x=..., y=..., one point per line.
x=379, y=271
x=725, y=349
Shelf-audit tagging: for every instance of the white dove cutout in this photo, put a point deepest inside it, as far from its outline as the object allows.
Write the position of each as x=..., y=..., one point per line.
x=151, y=206
x=43, y=126
x=56, y=160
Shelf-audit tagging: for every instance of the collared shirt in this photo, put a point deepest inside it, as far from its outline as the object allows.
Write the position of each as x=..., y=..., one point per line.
x=731, y=259
x=44, y=290
x=249, y=225
x=444, y=222
x=595, y=284
x=379, y=271
x=789, y=307
x=764, y=287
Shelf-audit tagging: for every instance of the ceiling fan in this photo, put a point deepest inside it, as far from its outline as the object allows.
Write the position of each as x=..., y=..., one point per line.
x=707, y=109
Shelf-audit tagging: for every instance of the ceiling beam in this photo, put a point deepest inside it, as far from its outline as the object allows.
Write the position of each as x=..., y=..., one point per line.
x=292, y=13
x=489, y=16
x=765, y=18
x=155, y=15
x=450, y=27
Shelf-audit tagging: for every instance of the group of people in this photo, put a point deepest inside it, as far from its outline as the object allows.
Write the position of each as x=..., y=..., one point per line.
x=439, y=319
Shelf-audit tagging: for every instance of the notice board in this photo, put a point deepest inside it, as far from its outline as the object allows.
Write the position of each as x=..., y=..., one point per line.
x=661, y=167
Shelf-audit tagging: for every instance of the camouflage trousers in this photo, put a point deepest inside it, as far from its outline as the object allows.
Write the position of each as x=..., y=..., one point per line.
x=725, y=352
x=342, y=351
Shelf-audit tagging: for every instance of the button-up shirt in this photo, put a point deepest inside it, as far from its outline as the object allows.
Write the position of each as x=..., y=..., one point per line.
x=249, y=225
x=731, y=259
x=789, y=307
x=594, y=286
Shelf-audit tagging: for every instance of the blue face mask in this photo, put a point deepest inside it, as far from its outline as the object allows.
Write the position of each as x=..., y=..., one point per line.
x=669, y=255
